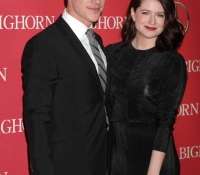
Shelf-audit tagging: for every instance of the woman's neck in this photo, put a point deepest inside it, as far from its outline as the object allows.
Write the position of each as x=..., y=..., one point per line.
x=142, y=43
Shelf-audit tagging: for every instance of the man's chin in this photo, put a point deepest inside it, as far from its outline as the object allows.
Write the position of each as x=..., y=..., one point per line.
x=95, y=19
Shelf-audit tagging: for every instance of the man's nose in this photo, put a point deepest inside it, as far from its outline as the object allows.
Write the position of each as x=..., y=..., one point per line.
x=97, y=1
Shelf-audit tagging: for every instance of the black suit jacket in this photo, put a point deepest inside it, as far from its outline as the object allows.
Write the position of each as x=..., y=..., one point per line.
x=64, y=112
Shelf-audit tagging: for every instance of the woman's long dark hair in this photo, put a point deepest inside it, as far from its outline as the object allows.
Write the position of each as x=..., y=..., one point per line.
x=65, y=2
x=172, y=35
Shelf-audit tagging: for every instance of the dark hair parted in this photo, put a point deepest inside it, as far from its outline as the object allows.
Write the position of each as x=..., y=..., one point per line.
x=172, y=35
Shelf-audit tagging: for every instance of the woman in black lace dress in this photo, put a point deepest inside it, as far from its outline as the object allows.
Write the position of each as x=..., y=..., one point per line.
x=148, y=82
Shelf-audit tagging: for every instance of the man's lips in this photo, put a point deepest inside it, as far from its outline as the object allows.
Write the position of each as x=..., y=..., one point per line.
x=150, y=28
x=94, y=9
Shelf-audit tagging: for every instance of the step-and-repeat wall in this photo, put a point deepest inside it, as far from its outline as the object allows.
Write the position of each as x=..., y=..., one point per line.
x=20, y=20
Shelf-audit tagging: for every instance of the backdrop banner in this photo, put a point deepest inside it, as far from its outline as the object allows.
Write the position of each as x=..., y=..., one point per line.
x=20, y=20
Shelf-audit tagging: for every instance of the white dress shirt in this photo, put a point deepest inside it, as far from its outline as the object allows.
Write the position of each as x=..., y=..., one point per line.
x=80, y=29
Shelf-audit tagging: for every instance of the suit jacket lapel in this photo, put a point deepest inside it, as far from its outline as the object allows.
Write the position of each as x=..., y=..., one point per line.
x=75, y=44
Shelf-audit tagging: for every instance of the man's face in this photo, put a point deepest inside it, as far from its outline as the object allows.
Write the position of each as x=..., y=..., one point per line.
x=86, y=11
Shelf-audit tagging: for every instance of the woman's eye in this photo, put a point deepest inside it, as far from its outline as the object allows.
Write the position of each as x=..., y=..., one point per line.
x=161, y=15
x=145, y=13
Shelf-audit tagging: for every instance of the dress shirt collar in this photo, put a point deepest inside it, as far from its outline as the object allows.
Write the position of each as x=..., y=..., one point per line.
x=78, y=28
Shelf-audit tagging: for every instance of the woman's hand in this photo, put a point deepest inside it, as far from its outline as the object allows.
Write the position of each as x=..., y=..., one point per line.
x=156, y=161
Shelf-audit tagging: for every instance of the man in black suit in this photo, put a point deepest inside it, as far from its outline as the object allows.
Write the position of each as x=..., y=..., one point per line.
x=64, y=101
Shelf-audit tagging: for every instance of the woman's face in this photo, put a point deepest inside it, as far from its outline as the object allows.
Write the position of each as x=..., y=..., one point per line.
x=149, y=19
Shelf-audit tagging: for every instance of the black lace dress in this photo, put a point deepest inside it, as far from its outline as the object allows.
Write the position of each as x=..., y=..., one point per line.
x=147, y=87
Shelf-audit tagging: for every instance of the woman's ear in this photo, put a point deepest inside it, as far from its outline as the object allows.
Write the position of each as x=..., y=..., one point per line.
x=133, y=14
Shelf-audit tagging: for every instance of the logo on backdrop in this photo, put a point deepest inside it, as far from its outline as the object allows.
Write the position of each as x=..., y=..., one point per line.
x=186, y=21
x=188, y=109
x=110, y=22
x=193, y=65
x=20, y=22
x=11, y=126
x=3, y=74
x=189, y=152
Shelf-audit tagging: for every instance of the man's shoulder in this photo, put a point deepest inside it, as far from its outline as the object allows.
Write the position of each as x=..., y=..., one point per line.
x=50, y=32
x=49, y=35
x=47, y=32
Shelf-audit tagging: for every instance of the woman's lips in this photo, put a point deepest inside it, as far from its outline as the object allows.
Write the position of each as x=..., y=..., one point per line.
x=150, y=28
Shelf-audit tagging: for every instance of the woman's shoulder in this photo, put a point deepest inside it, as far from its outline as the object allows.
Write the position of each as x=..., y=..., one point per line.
x=172, y=60
x=112, y=48
x=170, y=57
x=114, y=52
